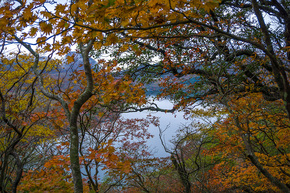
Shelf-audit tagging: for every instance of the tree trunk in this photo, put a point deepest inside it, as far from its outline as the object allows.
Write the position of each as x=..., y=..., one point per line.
x=74, y=158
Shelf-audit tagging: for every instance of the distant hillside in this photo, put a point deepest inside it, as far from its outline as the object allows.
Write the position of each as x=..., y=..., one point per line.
x=153, y=87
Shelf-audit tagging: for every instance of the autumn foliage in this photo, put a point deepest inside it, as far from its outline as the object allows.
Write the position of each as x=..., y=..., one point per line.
x=70, y=69
x=259, y=126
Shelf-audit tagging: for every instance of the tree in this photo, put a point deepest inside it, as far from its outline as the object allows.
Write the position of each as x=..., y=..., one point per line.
x=187, y=151
x=230, y=57
x=54, y=176
x=23, y=124
x=105, y=134
x=229, y=45
x=92, y=88
x=147, y=174
x=261, y=128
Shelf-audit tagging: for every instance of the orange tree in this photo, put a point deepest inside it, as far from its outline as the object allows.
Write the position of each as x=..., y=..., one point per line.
x=99, y=146
x=240, y=151
x=254, y=143
x=231, y=50
x=249, y=145
x=93, y=87
x=21, y=20
x=228, y=44
x=54, y=176
x=147, y=173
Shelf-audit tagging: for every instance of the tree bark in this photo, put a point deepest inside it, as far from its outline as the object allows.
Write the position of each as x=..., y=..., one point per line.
x=74, y=137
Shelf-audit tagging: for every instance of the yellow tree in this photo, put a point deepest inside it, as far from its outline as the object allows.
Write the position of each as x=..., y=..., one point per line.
x=23, y=120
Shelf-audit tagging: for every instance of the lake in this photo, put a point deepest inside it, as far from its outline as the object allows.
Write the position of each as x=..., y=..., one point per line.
x=172, y=121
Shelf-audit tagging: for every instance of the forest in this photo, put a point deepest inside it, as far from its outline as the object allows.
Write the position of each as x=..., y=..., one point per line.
x=71, y=68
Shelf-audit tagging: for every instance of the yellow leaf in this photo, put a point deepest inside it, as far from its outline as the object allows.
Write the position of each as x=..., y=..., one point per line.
x=112, y=39
x=41, y=40
x=70, y=59
x=33, y=31
x=27, y=14
x=45, y=27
